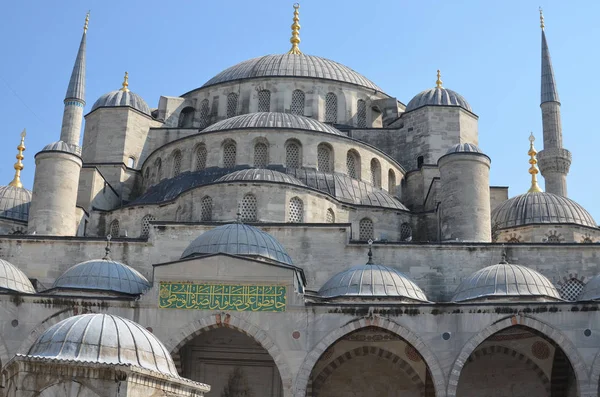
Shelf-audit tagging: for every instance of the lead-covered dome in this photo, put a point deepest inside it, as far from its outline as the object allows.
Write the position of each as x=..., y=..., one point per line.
x=15, y=203
x=591, y=290
x=464, y=148
x=62, y=146
x=260, y=175
x=238, y=239
x=13, y=279
x=540, y=207
x=122, y=98
x=103, y=275
x=104, y=339
x=438, y=96
x=292, y=65
x=505, y=280
x=272, y=120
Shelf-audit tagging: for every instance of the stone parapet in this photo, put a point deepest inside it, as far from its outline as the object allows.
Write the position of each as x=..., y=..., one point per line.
x=554, y=160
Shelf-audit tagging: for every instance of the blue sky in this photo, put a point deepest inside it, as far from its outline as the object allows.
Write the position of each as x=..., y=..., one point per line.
x=487, y=51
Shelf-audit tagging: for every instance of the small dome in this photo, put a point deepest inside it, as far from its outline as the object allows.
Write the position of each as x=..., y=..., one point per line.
x=260, y=174
x=104, y=339
x=14, y=203
x=238, y=239
x=438, y=96
x=372, y=281
x=532, y=208
x=104, y=275
x=13, y=279
x=122, y=98
x=464, y=148
x=60, y=146
x=505, y=281
x=272, y=120
x=591, y=290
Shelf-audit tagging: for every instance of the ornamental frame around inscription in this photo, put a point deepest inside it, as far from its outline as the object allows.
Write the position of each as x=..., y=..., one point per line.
x=232, y=297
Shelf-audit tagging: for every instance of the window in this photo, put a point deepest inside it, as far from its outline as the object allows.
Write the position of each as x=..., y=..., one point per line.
x=176, y=163
x=361, y=113
x=232, y=103
x=207, y=207
x=146, y=225
x=264, y=101
x=204, y=116
x=229, y=155
x=330, y=108
x=353, y=164
x=553, y=238
x=296, y=210
x=571, y=290
x=375, y=173
x=420, y=161
x=131, y=162
x=261, y=155
x=297, y=103
x=200, y=158
x=330, y=216
x=186, y=117
x=405, y=232
x=114, y=228
x=158, y=167
x=248, y=208
x=324, y=160
x=391, y=182
x=365, y=229
x=293, y=155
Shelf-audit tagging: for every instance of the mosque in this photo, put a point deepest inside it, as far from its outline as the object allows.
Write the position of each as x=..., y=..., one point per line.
x=289, y=229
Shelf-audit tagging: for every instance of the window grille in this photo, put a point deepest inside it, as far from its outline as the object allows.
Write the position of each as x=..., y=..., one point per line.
x=264, y=101
x=571, y=290
x=297, y=103
x=146, y=225
x=229, y=154
x=365, y=229
x=361, y=113
x=204, y=116
x=330, y=108
x=176, y=163
x=114, y=228
x=200, y=158
x=375, y=173
x=207, y=207
x=260, y=155
x=391, y=182
x=324, y=158
x=352, y=165
x=405, y=232
x=513, y=240
x=248, y=208
x=296, y=210
x=330, y=216
x=292, y=155
x=158, y=165
x=554, y=238
x=232, y=102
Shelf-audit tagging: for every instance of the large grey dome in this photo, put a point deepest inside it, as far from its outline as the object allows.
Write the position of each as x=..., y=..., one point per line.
x=292, y=65
x=104, y=339
x=104, y=275
x=238, y=239
x=272, y=120
x=591, y=290
x=122, y=98
x=260, y=174
x=14, y=203
x=532, y=208
x=372, y=281
x=505, y=281
x=12, y=278
x=438, y=96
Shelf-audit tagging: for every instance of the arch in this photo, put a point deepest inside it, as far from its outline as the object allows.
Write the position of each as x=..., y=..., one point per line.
x=186, y=117
x=548, y=331
x=264, y=101
x=353, y=166
x=220, y=320
x=55, y=318
x=361, y=113
x=375, y=173
x=330, y=216
x=146, y=225
x=391, y=182
x=331, y=108
x=293, y=153
x=303, y=377
x=229, y=154
x=114, y=228
x=200, y=157
x=365, y=229
x=248, y=208
x=405, y=232
x=297, y=106
x=204, y=114
x=570, y=289
x=206, y=205
x=176, y=163
x=232, y=104
x=296, y=210
x=261, y=154
x=325, y=157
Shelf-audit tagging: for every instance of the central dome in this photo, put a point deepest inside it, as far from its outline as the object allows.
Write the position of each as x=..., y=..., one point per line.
x=292, y=65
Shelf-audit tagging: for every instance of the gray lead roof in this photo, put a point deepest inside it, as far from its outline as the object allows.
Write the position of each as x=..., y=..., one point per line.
x=122, y=98
x=76, y=89
x=12, y=278
x=14, y=202
x=260, y=174
x=438, y=96
x=549, y=92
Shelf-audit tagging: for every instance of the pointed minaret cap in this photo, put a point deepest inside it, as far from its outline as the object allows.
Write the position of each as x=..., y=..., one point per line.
x=16, y=182
x=295, y=39
x=533, y=170
x=549, y=92
x=76, y=89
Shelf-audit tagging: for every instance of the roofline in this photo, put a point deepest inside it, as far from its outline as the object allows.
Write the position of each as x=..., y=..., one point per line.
x=549, y=223
x=121, y=106
x=441, y=106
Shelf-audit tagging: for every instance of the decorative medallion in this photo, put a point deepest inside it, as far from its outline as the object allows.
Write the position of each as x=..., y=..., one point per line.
x=540, y=350
x=412, y=353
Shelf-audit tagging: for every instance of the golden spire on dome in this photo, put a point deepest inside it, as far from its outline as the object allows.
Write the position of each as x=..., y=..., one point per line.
x=439, y=81
x=542, y=19
x=16, y=182
x=295, y=39
x=87, y=21
x=533, y=170
x=125, y=87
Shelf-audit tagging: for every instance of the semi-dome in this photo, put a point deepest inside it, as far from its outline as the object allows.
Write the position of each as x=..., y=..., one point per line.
x=103, y=275
x=505, y=280
x=14, y=203
x=540, y=207
x=104, y=339
x=438, y=96
x=292, y=65
x=372, y=281
x=61, y=146
x=238, y=239
x=260, y=175
x=272, y=120
x=122, y=98
x=591, y=290
x=12, y=278
x=464, y=148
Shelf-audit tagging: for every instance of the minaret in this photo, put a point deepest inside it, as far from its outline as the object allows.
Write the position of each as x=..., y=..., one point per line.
x=554, y=160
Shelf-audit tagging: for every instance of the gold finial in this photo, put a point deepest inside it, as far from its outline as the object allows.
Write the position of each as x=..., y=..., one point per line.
x=125, y=87
x=87, y=21
x=16, y=182
x=439, y=81
x=295, y=39
x=541, y=19
x=533, y=170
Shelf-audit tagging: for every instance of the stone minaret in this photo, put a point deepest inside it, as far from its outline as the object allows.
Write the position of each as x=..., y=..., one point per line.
x=554, y=161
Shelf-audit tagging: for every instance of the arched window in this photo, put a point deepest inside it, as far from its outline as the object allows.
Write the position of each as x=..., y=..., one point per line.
x=353, y=164
x=296, y=210
x=293, y=155
x=131, y=162
x=324, y=158
x=375, y=173
x=391, y=182
x=330, y=216
x=330, y=108
x=361, y=113
x=158, y=167
x=264, y=101
x=200, y=158
x=248, y=208
x=261, y=155
x=420, y=161
x=297, y=103
x=232, y=103
x=365, y=229
x=207, y=207
x=114, y=228
x=571, y=290
x=204, y=114
x=186, y=117
x=229, y=155
x=146, y=225
x=405, y=232
x=176, y=163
